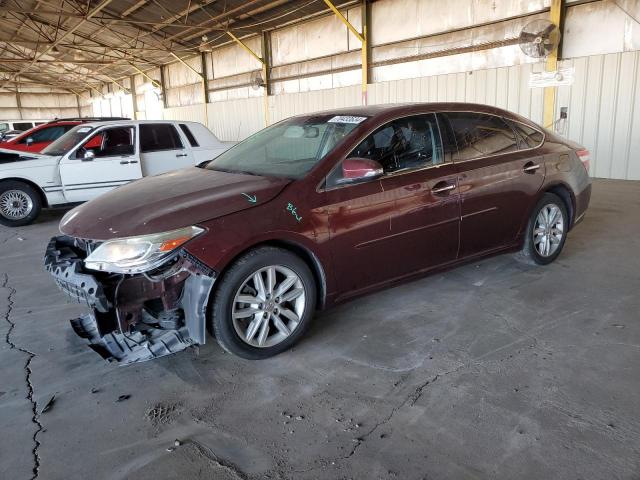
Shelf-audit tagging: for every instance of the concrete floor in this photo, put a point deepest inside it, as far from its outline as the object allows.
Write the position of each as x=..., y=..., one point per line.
x=494, y=370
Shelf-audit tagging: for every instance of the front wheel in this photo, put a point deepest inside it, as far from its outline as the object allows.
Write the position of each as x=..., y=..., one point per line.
x=20, y=203
x=546, y=231
x=264, y=303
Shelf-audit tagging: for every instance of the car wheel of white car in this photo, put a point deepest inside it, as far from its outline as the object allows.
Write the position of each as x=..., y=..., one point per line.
x=20, y=204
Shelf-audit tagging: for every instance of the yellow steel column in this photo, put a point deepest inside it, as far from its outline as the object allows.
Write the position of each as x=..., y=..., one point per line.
x=266, y=64
x=552, y=64
x=360, y=36
x=365, y=52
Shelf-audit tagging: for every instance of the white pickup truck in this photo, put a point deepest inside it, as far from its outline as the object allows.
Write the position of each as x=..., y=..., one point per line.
x=94, y=158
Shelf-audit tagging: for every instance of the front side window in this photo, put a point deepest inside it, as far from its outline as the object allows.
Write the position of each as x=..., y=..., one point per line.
x=289, y=148
x=404, y=144
x=479, y=135
x=156, y=137
x=112, y=142
x=4, y=127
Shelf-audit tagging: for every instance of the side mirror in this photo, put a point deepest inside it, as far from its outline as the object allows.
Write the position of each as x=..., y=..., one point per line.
x=29, y=140
x=356, y=169
x=88, y=156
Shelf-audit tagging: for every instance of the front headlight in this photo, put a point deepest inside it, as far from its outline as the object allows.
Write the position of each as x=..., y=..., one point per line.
x=138, y=254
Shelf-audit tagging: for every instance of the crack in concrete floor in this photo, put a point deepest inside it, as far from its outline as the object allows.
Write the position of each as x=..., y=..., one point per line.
x=35, y=418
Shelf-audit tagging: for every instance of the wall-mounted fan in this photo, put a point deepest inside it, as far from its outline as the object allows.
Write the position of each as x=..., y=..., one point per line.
x=256, y=80
x=539, y=38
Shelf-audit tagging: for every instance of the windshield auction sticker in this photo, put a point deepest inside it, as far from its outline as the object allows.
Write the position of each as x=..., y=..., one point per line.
x=347, y=119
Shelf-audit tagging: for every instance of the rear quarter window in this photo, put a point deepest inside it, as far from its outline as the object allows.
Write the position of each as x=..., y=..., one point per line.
x=192, y=140
x=529, y=137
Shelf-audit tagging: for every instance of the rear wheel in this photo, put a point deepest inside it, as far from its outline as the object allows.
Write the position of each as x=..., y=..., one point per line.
x=546, y=231
x=20, y=203
x=264, y=303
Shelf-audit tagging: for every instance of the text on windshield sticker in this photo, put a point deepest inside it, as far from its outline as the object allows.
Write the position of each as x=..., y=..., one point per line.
x=347, y=119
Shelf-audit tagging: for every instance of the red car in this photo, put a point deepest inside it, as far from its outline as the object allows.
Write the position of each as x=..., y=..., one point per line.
x=309, y=212
x=39, y=137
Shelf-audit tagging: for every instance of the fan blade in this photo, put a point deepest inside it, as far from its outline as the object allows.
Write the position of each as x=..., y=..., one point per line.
x=548, y=30
x=540, y=50
x=527, y=36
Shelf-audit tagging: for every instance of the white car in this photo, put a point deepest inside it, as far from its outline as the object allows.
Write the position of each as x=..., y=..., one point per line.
x=94, y=158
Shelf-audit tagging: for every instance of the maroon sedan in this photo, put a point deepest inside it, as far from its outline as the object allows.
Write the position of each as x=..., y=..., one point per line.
x=309, y=212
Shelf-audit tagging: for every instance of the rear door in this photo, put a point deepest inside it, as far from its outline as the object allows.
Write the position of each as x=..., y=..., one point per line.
x=162, y=149
x=498, y=180
x=106, y=160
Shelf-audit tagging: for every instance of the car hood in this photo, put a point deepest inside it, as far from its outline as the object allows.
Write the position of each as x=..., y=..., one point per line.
x=167, y=202
x=8, y=155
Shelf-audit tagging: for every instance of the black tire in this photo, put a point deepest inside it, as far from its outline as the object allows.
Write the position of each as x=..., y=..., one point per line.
x=221, y=322
x=529, y=252
x=25, y=189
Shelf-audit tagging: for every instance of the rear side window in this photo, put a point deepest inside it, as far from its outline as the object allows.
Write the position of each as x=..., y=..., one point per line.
x=159, y=136
x=189, y=135
x=479, y=135
x=529, y=137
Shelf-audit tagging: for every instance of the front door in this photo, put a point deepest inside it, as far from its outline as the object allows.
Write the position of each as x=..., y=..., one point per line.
x=104, y=161
x=498, y=181
x=404, y=222
x=162, y=150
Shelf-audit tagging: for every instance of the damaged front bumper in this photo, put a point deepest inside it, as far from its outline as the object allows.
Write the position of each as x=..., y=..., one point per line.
x=134, y=317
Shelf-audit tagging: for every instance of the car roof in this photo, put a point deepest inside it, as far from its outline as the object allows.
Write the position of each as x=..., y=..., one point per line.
x=416, y=107
x=132, y=122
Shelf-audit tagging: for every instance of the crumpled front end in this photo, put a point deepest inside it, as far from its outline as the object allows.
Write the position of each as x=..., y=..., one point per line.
x=133, y=317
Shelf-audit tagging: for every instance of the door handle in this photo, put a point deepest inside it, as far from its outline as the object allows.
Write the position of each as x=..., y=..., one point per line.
x=442, y=187
x=531, y=167
x=126, y=162
x=181, y=155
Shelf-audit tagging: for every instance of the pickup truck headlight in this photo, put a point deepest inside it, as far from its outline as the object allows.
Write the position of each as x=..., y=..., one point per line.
x=138, y=254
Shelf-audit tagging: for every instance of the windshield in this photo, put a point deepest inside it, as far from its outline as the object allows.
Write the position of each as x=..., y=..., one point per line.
x=287, y=149
x=67, y=141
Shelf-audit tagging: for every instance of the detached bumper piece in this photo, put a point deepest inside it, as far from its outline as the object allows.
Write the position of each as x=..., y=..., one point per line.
x=134, y=317
x=134, y=347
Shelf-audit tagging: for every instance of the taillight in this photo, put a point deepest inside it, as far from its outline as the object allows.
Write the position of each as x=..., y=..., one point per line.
x=585, y=158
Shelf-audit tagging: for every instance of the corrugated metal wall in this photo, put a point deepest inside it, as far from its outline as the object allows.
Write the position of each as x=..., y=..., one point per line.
x=38, y=104
x=604, y=112
x=603, y=105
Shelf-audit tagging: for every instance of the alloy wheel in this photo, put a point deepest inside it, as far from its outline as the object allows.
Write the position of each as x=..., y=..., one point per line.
x=548, y=230
x=268, y=306
x=15, y=204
